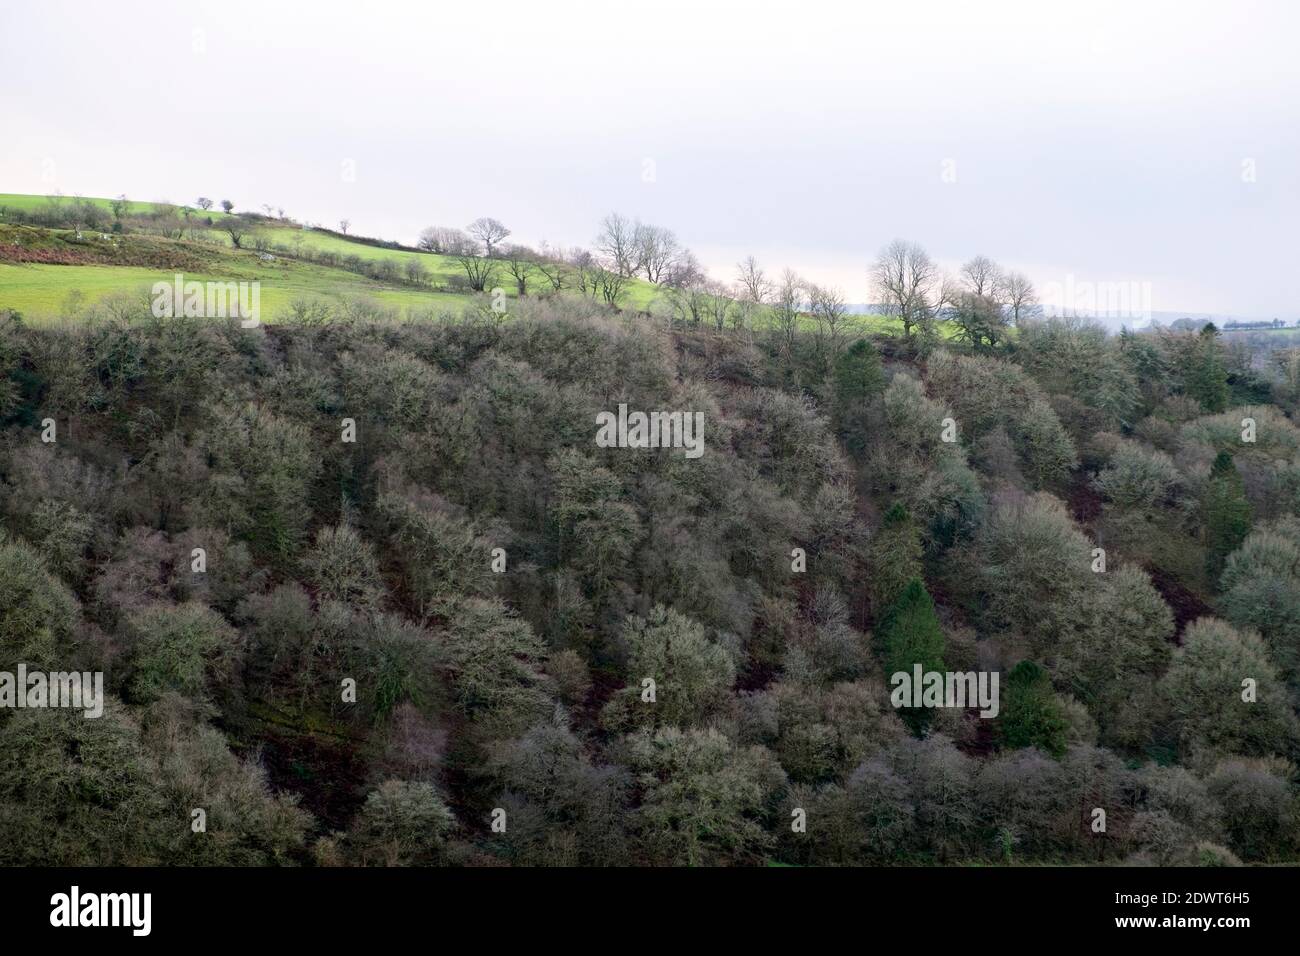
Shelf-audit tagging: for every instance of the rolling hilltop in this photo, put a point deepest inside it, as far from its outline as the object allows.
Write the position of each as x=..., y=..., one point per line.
x=59, y=255
x=154, y=241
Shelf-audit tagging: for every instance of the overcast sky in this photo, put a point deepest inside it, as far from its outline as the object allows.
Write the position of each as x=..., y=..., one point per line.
x=1099, y=141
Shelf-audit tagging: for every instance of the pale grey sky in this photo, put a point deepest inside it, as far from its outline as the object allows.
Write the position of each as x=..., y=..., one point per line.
x=1104, y=142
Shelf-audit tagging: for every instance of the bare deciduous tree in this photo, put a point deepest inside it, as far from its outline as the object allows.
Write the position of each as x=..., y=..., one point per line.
x=831, y=315
x=204, y=203
x=945, y=293
x=236, y=228
x=445, y=241
x=550, y=264
x=553, y=273
x=488, y=231
x=787, y=303
x=904, y=276
x=520, y=262
x=982, y=276
x=657, y=252
x=345, y=225
x=611, y=283
x=416, y=273
x=690, y=301
x=1019, y=295
x=718, y=303
x=685, y=271
x=743, y=310
x=584, y=269
x=618, y=242
x=753, y=281
x=479, y=270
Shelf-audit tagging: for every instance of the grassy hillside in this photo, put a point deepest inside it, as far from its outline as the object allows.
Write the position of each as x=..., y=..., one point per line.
x=45, y=272
x=290, y=238
x=23, y=202
x=92, y=267
x=41, y=292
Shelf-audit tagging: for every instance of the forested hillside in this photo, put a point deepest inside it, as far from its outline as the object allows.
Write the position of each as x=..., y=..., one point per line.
x=370, y=592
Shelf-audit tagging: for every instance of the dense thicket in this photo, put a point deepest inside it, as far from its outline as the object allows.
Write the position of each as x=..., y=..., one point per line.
x=627, y=655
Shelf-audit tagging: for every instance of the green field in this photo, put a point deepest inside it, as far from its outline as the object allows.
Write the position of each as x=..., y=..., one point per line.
x=40, y=296
x=639, y=294
x=134, y=207
x=43, y=292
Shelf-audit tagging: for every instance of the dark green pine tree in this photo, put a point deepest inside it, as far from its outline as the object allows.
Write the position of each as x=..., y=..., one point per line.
x=909, y=634
x=858, y=374
x=1227, y=512
x=894, y=557
x=1031, y=714
x=1206, y=378
x=858, y=377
